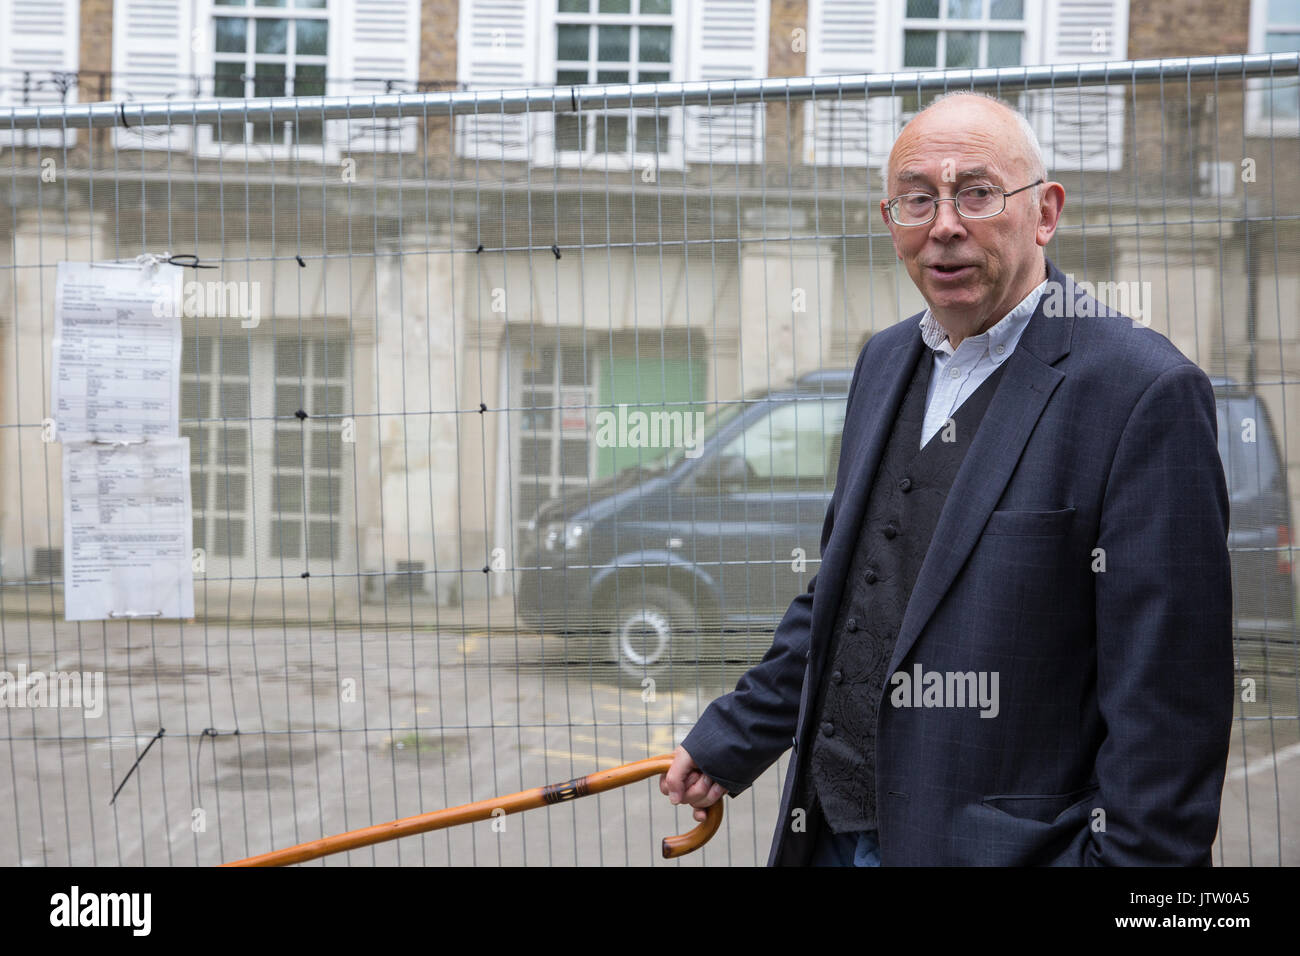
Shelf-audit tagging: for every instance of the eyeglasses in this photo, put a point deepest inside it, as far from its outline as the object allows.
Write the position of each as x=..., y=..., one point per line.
x=973, y=202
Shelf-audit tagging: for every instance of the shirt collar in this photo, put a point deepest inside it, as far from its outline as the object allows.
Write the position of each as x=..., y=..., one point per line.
x=1006, y=331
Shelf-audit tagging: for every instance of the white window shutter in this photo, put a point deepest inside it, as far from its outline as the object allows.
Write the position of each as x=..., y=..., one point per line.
x=1083, y=129
x=39, y=39
x=848, y=36
x=383, y=56
x=153, y=60
x=728, y=41
x=496, y=50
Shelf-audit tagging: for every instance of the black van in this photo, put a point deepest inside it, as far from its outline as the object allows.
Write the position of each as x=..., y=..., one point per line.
x=663, y=558
x=1259, y=533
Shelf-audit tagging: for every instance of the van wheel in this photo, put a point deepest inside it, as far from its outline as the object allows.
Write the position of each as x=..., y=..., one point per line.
x=644, y=634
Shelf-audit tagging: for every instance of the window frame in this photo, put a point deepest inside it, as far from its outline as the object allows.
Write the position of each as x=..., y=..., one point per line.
x=983, y=26
x=1031, y=50
x=1259, y=119
x=329, y=150
x=323, y=426
x=672, y=156
x=262, y=461
x=210, y=441
x=522, y=363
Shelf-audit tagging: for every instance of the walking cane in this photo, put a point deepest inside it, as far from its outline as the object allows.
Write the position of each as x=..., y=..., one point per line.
x=602, y=780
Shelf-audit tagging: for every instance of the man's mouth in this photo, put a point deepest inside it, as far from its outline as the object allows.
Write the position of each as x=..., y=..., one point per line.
x=952, y=271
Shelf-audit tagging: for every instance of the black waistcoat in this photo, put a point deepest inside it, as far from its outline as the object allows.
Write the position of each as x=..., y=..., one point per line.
x=903, y=507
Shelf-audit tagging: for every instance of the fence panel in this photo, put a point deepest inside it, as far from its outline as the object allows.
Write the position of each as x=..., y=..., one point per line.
x=447, y=335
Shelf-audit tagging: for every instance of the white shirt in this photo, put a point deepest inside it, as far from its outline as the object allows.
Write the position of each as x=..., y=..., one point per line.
x=956, y=374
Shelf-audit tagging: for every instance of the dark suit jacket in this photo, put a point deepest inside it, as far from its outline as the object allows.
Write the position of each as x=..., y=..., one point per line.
x=1082, y=556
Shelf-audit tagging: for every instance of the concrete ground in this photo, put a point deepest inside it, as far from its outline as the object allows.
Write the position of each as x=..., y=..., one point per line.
x=339, y=727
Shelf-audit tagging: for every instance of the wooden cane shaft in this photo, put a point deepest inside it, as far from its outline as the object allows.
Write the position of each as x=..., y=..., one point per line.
x=597, y=782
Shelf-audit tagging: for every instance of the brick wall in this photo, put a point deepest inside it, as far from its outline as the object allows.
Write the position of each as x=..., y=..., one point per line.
x=786, y=56
x=96, y=53
x=438, y=23
x=1187, y=28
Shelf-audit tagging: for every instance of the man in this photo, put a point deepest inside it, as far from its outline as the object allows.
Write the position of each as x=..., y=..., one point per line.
x=1017, y=649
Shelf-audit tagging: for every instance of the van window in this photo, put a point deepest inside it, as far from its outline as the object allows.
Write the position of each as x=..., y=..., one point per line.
x=1247, y=448
x=796, y=446
x=712, y=422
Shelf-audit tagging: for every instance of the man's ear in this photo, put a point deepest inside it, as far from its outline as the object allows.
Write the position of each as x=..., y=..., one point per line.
x=1050, y=206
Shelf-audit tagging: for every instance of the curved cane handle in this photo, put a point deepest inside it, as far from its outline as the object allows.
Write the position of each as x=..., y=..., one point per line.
x=675, y=846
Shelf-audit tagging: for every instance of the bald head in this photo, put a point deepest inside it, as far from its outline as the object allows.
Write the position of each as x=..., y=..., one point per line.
x=977, y=111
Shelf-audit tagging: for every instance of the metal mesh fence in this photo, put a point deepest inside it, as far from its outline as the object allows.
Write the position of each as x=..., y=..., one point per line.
x=454, y=354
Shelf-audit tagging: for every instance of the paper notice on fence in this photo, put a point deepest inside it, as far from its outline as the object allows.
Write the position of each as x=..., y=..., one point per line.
x=117, y=351
x=127, y=535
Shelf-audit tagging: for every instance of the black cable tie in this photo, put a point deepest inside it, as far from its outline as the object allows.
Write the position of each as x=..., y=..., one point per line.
x=479, y=249
x=121, y=115
x=573, y=99
x=192, y=261
x=305, y=574
x=300, y=262
x=482, y=407
x=161, y=731
x=198, y=757
x=555, y=249
x=300, y=415
x=486, y=569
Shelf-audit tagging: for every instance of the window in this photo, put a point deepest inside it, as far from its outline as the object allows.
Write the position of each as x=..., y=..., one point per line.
x=961, y=34
x=553, y=434
x=266, y=486
x=270, y=48
x=713, y=423
x=797, y=446
x=307, y=494
x=215, y=390
x=1251, y=467
x=614, y=41
x=1274, y=103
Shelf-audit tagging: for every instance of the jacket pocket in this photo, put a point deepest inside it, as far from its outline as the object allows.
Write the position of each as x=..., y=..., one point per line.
x=1041, y=807
x=1035, y=523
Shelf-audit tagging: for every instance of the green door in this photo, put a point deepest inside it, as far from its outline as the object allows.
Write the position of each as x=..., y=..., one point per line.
x=645, y=385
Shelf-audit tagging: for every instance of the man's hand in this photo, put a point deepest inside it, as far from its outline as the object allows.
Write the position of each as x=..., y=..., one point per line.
x=687, y=783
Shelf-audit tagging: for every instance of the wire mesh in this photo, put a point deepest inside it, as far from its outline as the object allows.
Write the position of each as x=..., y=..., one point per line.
x=449, y=335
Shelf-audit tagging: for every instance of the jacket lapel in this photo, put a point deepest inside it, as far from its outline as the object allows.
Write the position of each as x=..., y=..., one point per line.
x=1027, y=383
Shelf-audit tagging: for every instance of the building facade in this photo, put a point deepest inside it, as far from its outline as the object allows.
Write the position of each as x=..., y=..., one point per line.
x=452, y=301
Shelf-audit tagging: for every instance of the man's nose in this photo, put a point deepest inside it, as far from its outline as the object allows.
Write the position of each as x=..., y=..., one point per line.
x=947, y=224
